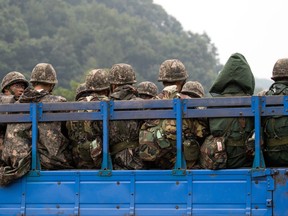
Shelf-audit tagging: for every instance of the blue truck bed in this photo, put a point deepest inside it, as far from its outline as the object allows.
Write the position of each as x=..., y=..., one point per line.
x=251, y=191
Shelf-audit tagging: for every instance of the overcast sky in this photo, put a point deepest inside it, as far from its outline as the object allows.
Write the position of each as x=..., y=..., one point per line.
x=258, y=29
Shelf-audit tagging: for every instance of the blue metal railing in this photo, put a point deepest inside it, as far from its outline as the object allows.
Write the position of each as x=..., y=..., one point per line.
x=154, y=109
x=239, y=191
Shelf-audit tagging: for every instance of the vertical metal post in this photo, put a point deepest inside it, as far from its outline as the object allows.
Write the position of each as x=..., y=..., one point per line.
x=23, y=197
x=106, y=162
x=285, y=104
x=34, y=120
x=189, y=195
x=132, y=194
x=180, y=162
x=248, y=194
x=256, y=107
x=77, y=193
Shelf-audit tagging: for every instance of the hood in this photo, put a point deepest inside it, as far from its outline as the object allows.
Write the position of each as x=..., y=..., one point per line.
x=236, y=77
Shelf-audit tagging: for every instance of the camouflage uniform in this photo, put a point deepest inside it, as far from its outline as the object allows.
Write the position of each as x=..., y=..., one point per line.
x=124, y=134
x=194, y=89
x=86, y=136
x=158, y=137
x=9, y=79
x=236, y=79
x=4, y=99
x=276, y=127
x=52, y=145
x=147, y=90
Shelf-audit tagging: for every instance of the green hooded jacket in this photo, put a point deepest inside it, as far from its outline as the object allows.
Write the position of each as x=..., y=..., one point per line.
x=236, y=77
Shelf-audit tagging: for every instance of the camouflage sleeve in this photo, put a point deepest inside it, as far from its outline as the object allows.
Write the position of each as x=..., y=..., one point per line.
x=199, y=129
x=17, y=144
x=60, y=99
x=53, y=99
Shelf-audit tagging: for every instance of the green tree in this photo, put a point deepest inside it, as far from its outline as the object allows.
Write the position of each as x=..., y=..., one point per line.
x=75, y=36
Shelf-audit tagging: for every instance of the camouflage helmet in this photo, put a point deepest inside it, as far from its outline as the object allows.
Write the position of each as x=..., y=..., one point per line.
x=81, y=89
x=172, y=70
x=148, y=88
x=122, y=74
x=280, y=69
x=44, y=73
x=11, y=78
x=194, y=88
x=97, y=80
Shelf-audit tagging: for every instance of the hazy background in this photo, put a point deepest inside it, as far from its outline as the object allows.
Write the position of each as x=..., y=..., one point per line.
x=78, y=35
x=257, y=28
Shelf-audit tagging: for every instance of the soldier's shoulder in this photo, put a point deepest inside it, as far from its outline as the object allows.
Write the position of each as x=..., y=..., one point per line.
x=54, y=98
x=5, y=99
x=136, y=98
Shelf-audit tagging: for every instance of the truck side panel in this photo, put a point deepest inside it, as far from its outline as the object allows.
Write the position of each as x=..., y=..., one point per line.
x=199, y=192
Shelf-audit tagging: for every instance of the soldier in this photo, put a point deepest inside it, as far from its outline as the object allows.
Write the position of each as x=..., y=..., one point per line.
x=12, y=86
x=81, y=91
x=86, y=136
x=193, y=89
x=52, y=145
x=14, y=83
x=227, y=145
x=157, y=138
x=147, y=90
x=276, y=127
x=173, y=72
x=124, y=134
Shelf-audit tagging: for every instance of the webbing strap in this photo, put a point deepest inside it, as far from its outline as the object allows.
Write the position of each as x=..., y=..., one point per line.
x=277, y=141
x=122, y=145
x=231, y=142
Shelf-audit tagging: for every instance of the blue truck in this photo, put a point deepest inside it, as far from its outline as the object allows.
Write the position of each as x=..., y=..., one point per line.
x=258, y=190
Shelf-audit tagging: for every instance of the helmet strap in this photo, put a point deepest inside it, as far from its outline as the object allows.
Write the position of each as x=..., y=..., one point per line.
x=11, y=91
x=52, y=87
x=113, y=87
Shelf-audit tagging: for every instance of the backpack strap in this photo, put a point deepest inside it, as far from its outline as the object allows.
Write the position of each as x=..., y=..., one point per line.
x=270, y=120
x=123, y=145
x=231, y=142
x=228, y=128
x=277, y=141
x=240, y=142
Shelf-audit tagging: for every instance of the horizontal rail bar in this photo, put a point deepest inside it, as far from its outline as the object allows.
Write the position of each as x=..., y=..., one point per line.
x=144, y=114
x=70, y=116
x=144, y=109
x=143, y=104
x=219, y=102
x=14, y=118
x=17, y=107
x=71, y=106
x=219, y=112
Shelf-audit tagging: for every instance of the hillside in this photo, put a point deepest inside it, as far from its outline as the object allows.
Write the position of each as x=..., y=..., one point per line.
x=77, y=35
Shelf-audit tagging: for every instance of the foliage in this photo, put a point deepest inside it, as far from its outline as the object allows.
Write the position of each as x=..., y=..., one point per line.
x=77, y=35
